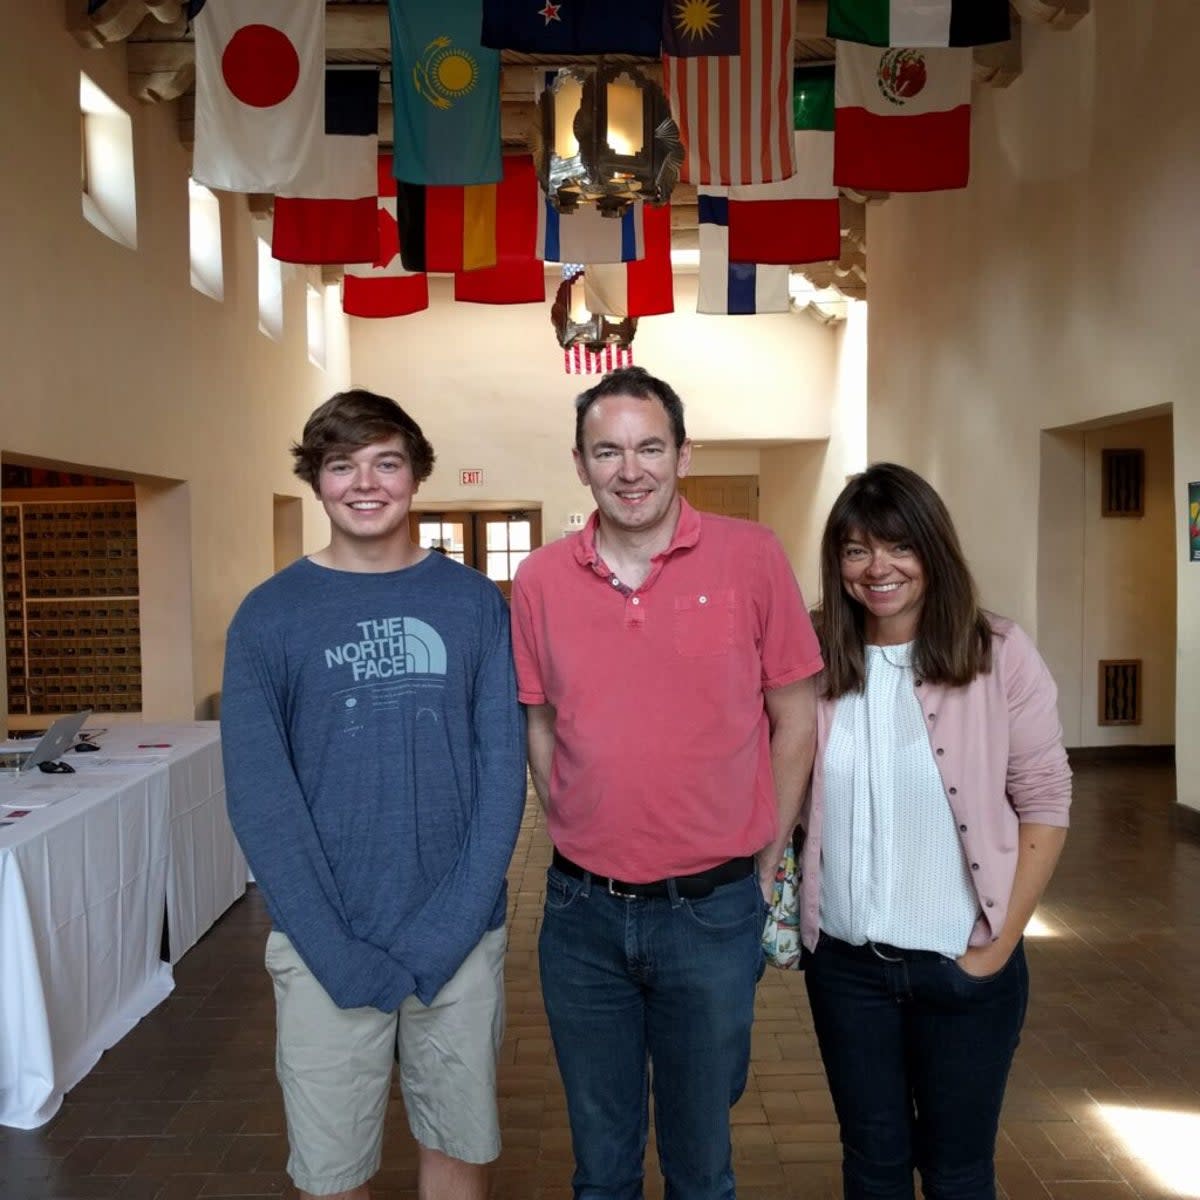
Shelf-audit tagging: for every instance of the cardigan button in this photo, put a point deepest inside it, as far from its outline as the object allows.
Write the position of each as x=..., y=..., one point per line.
x=989, y=903
x=954, y=791
x=940, y=750
x=974, y=866
x=962, y=829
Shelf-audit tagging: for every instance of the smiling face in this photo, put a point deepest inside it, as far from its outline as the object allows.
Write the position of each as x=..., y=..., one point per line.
x=630, y=461
x=367, y=493
x=888, y=580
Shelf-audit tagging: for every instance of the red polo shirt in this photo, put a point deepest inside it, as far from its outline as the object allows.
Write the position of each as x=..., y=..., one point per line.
x=662, y=756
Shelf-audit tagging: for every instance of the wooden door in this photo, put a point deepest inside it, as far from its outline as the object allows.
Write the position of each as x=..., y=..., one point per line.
x=495, y=543
x=452, y=533
x=727, y=495
x=504, y=541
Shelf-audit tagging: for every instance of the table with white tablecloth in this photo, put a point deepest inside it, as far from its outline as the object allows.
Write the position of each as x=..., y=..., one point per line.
x=85, y=877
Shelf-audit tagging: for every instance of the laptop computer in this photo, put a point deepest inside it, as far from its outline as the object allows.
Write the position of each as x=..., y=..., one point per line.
x=54, y=743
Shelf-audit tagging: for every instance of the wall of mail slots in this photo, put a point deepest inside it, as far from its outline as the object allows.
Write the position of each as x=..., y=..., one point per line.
x=71, y=621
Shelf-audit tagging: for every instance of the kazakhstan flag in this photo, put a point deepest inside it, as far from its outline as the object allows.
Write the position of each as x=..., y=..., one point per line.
x=445, y=94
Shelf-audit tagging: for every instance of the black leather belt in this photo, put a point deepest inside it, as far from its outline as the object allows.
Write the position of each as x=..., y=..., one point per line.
x=690, y=887
x=877, y=951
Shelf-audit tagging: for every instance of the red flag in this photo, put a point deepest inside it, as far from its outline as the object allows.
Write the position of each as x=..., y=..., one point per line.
x=637, y=289
x=733, y=106
x=794, y=220
x=518, y=277
x=385, y=289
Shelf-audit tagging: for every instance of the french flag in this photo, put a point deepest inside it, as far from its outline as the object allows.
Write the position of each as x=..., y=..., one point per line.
x=636, y=289
x=329, y=213
x=384, y=288
x=586, y=236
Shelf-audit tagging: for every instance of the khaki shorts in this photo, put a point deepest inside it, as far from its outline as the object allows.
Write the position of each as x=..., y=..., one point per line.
x=335, y=1068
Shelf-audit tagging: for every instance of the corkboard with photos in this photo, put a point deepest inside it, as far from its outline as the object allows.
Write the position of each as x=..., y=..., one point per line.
x=71, y=616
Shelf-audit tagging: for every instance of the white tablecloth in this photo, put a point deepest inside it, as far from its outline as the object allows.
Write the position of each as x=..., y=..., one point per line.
x=83, y=886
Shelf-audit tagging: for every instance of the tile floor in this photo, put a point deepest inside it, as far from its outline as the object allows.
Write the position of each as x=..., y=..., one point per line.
x=186, y=1106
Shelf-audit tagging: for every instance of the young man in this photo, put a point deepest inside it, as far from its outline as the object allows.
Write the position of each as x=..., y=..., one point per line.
x=666, y=660
x=374, y=763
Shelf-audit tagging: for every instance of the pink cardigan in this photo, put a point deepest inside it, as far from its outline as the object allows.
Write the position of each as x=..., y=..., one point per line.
x=998, y=746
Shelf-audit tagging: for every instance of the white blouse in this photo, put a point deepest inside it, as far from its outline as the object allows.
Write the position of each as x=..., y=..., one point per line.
x=893, y=869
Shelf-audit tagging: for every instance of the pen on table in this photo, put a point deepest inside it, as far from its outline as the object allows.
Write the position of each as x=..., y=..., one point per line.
x=154, y=745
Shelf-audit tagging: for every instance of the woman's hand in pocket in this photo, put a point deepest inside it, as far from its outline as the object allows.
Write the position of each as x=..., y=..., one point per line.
x=982, y=961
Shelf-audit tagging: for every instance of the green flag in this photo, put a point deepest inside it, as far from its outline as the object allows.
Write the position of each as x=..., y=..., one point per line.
x=919, y=22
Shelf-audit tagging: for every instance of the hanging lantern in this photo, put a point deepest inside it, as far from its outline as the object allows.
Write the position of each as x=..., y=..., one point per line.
x=575, y=325
x=604, y=135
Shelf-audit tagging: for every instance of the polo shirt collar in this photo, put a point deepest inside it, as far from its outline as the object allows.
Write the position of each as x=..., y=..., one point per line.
x=687, y=534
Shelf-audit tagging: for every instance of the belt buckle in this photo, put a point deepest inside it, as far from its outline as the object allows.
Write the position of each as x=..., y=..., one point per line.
x=885, y=957
x=612, y=891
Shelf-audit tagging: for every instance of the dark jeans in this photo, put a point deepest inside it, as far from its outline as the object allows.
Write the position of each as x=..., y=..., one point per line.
x=917, y=1054
x=651, y=994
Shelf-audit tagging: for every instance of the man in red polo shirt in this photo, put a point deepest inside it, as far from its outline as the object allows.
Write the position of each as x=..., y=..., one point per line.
x=666, y=660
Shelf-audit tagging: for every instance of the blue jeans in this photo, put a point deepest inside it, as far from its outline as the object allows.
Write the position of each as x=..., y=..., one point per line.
x=648, y=994
x=917, y=1054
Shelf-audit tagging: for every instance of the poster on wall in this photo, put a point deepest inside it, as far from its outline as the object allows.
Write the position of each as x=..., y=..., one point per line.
x=1194, y=520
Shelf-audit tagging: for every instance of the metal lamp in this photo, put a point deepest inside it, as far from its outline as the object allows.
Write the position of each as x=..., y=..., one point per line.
x=604, y=135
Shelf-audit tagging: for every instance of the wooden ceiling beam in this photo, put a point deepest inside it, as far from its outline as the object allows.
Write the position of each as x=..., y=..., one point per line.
x=351, y=31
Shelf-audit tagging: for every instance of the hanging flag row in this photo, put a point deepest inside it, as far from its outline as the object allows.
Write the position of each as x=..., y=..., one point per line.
x=394, y=285
x=769, y=147
x=263, y=105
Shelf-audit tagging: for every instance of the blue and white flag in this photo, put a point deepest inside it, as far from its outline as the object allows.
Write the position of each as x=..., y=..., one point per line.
x=585, y=236
x=729, y=287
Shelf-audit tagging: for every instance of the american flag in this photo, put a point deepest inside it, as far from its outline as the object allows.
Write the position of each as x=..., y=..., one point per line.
x=734, y=107
x=579, y=360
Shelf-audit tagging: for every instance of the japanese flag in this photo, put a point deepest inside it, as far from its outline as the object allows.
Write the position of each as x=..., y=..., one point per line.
x=260, y=91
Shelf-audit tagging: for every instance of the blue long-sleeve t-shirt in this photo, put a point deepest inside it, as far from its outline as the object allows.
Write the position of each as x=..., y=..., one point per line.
x=375, y=768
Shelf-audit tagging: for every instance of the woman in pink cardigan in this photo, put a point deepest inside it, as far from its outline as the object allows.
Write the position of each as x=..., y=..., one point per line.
x=937, y=812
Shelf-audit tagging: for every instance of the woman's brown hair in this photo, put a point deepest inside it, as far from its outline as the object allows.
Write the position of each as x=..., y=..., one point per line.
x=890, y=503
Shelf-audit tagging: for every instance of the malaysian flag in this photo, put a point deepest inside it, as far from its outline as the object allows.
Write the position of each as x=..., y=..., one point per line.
x=579, y=360
x=727, y=71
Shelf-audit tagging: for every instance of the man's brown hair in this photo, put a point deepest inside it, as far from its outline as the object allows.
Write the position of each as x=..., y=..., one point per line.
x=350, y=420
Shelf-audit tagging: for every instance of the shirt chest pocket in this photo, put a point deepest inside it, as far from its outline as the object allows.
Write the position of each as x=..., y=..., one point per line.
x=704, y=623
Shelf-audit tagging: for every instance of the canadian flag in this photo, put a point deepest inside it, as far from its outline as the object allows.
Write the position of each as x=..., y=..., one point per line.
x=260, y=91
x=384, y=288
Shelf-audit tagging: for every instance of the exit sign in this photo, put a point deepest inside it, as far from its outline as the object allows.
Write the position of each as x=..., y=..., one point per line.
x=472, y=477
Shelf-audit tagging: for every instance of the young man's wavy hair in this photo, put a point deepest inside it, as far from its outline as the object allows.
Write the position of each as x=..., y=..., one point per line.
x=953, y=642
x=351, y=420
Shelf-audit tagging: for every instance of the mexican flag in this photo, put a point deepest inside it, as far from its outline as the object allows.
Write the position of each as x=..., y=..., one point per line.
x=919, y=22
x=903, y=119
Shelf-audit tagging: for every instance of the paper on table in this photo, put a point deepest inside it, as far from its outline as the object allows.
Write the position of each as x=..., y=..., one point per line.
x=88, y=762
x=36, y=795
